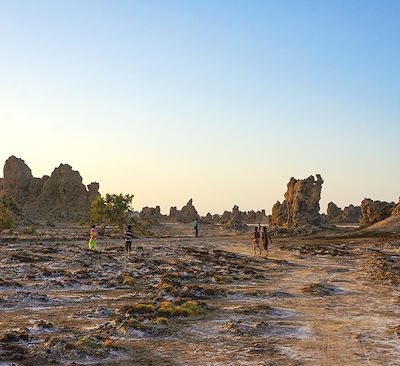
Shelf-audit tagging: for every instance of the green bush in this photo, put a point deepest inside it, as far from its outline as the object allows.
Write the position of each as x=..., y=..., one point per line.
x=111, y=209
x=10, y=213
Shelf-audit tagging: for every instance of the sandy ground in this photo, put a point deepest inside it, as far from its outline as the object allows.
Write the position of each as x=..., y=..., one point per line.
x=313, y=301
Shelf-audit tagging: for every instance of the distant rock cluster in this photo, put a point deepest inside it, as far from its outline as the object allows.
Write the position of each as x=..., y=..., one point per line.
x=349, y=215
x=151, y=215
x=61, y=196
x=234, y=219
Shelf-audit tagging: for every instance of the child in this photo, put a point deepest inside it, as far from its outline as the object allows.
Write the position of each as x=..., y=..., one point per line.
x=93, y=238
x=256, y=240
x=264, y=237
x=128, y=239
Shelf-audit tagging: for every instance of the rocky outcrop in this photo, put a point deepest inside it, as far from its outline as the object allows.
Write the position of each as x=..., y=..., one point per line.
x=279, y=215
x=349, y=215
x=93, y=189
x=301, y=204
x=396, y=210
x=225, y=217
x=188, y=213
x=208, y=219
x=237, y=220
x=253, y=217
x=216, y=219
x=261, y=217
x=151, y=215
x=62, y=196
x=173, y=214
x=374, y=211
x=333, y=213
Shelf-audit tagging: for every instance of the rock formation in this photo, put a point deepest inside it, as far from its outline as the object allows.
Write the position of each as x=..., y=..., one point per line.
x=225, y=217
x=237, y=220
x=173, y=214
x=208, y=219
x=333, y=213
x=301, y=204
x=350, y=214
x=279, y=215
x=261, y=217
x=151, y=215
x=251, y=217
x=374, y=211
x=60, y=196
x=216, y=218
x=396, y=210
x=188, y=213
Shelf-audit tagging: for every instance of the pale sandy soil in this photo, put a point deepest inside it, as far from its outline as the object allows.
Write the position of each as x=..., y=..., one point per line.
x=311, y=302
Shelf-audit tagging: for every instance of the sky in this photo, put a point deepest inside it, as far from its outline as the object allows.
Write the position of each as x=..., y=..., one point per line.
x=221, y=101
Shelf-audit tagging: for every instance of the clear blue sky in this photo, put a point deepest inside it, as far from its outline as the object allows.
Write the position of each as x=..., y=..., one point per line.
x=222, y=101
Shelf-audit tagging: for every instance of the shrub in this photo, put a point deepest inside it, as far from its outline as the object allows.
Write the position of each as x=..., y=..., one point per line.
x=143, y=308
x=128, y=281
x=30, y=230
x=88, y=342
x=111, y=209
x=10, y=212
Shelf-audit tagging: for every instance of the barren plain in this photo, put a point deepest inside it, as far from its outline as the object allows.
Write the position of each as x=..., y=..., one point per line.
x=329, y=298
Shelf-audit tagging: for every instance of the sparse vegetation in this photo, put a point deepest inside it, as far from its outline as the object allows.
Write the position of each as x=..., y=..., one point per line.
x=189, y=308
x=128, y=281
x=141, y=308
x=10, y=213
x=88, y=342
x=30, y=230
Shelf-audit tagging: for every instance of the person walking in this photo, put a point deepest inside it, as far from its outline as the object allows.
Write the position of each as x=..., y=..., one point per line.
x=256, y=240
x=196, y=228
x=265, y=237
x=128, y=236
x=93, y=238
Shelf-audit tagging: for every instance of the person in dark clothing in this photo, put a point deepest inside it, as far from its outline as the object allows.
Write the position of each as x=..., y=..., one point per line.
x=256, y=240
x=265, y=237
x=128, y=236
x=196, y=228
